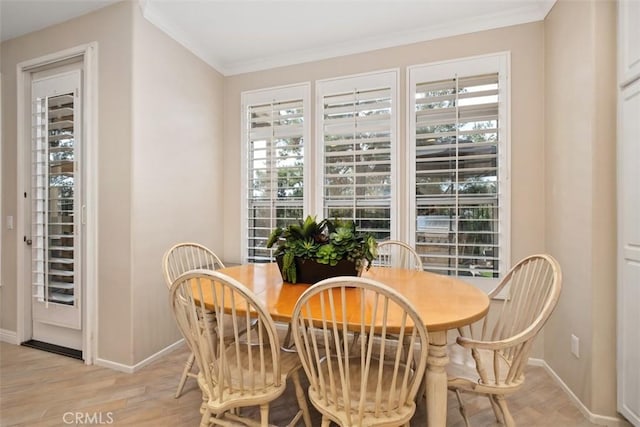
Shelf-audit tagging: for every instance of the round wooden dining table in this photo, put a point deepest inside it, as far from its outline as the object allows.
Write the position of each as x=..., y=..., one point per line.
x=443, y=302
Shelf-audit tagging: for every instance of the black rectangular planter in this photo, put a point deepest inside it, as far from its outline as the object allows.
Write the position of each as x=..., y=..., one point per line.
x=309, y=271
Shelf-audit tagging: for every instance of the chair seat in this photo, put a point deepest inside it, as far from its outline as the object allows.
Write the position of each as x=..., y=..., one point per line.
x=363, y=389
x=236, y=397
x=237, y=374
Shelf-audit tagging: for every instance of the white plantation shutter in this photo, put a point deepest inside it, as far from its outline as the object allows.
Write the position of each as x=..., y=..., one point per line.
x=458, y=160
x=275, y=133
x=55, y=189
x=357, y=141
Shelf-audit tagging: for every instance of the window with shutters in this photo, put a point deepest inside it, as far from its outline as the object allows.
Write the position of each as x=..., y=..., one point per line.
x=356, y=130
x=275, y=134
x=458, y=165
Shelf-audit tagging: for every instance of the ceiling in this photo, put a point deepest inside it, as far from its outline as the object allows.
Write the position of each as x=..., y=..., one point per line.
x=237, y=36
x=19, y=17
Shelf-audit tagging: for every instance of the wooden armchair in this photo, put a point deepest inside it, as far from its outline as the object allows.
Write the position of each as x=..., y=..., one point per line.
x=501, y=343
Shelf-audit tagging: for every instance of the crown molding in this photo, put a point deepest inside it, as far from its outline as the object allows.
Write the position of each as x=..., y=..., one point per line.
x=525, y=14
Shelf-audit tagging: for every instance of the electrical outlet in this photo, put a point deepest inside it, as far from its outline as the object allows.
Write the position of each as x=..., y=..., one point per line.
x=575, y=346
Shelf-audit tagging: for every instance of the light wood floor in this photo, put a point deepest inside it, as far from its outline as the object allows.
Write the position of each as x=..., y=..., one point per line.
x=38, y=388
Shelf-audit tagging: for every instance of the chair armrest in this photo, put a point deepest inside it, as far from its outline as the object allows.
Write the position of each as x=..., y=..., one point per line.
x=527, y=334
x=491, y=345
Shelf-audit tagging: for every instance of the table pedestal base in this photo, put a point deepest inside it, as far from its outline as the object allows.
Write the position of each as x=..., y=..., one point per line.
x=437, y=380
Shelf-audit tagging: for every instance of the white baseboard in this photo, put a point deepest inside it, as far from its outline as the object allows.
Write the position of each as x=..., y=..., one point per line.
x=130, y=369
x=594, y=418
x=10, y=337
x=127, y=369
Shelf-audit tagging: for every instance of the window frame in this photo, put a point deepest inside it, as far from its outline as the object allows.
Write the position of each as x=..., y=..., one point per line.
x=261, y=96
x=324, y=87
x=463, y=67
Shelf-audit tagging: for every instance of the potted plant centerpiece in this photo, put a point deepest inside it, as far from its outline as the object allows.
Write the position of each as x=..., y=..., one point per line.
x=311, y=251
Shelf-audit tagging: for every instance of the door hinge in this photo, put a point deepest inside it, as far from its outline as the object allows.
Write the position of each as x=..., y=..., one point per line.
x=25, y=194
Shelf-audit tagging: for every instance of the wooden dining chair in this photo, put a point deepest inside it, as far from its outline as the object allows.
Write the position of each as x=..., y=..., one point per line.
x=373, y=386
x=179, y=259
x=499, y=346
x=186, y=256
x=394, y=253
x=237, y=369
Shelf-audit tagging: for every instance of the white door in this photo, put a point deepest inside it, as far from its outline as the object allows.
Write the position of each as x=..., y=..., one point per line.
x=629, y=254
x=56, y=208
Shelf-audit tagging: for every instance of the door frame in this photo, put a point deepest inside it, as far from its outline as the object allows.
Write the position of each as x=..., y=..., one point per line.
x=88, y=53
x=625, y=251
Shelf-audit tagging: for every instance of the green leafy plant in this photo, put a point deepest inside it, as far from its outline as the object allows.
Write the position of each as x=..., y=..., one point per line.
x=326, y=242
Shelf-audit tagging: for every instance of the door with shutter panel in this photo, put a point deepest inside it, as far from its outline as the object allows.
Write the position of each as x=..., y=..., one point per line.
x=56, y=209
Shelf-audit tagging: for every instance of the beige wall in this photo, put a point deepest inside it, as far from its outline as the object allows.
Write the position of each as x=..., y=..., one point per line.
x=164, y=152
x=579, y=159
x=160, y=169
x=114, y=151
x=525, y=42
x=176, y=171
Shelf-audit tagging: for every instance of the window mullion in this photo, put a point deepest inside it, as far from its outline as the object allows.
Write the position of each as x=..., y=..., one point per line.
x=456, y=186
x=271, y=165
x=354, y=204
